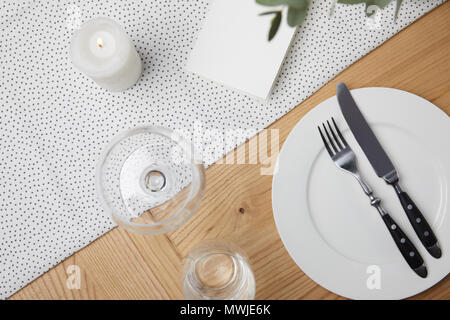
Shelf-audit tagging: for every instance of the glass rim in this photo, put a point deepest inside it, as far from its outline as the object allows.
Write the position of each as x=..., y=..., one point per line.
x=240, y=279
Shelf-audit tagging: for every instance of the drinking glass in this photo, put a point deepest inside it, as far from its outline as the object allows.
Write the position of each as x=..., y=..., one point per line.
x=149, y=180
x=218, y=270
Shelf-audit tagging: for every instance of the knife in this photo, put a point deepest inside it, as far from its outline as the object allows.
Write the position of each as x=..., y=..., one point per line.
x=384, y=167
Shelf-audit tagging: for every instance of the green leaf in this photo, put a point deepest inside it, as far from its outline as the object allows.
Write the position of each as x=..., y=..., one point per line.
x=352, y=1
x=397, y=8
x=269, y=12
x=299, y=4
x=269, y=3
x=295, y=16
x=379, y=3
x=275, y=25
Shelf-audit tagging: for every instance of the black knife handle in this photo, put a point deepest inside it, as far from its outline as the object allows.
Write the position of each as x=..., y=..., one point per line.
x=420, y=224
x=406, y=247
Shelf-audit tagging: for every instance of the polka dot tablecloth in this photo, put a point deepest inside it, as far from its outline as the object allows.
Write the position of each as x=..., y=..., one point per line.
x=54, y=121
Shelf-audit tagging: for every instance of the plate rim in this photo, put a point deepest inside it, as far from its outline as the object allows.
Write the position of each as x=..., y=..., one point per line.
x=300, y=262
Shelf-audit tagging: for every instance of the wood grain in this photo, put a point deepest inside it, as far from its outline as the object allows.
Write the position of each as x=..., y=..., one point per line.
x=237, y=204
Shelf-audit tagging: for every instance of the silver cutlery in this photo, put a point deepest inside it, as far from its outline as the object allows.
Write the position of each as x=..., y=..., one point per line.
x=344, y=157
x=384, y=167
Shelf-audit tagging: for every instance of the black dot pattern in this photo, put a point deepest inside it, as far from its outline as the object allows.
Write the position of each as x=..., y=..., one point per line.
x=54, y=121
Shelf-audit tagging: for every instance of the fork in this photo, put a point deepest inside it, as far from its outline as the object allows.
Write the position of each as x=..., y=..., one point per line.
x=344, y=157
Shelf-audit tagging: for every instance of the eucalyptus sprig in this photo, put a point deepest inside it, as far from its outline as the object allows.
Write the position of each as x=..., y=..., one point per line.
x=297, y=9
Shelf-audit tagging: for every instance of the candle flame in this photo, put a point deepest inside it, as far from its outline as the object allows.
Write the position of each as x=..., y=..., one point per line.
x=100, y=42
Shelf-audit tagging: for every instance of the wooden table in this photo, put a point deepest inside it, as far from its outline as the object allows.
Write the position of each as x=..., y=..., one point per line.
x=237, y=204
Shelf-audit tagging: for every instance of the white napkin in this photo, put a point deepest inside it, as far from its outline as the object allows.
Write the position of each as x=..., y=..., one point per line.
x=233, y=48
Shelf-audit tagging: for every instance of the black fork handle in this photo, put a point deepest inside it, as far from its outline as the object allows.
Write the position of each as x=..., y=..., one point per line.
x=406, y=247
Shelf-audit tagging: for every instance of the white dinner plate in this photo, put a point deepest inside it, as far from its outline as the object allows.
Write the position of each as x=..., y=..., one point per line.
x=325, y=220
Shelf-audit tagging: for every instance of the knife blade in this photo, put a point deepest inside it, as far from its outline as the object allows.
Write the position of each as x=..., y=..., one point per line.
x=365, y=136
x=383, y=166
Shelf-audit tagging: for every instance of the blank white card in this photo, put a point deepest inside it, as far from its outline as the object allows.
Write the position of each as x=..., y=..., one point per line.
x=232, y=48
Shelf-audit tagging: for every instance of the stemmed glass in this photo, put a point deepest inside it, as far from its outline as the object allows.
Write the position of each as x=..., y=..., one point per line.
x=149, y=180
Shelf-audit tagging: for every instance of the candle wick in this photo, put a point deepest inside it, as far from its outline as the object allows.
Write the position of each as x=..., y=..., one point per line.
x=100, y=42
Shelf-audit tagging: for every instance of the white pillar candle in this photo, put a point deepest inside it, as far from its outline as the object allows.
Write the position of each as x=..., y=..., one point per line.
x=102, y=50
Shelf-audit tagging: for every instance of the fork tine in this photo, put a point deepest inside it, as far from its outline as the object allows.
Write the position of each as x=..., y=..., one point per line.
x=334, y=136
x=339, y=133
x=336, y=150
x=325, y=143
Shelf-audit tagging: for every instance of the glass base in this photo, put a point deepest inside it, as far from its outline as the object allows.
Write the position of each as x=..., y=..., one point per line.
x=218, y=272
x=148, y=180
